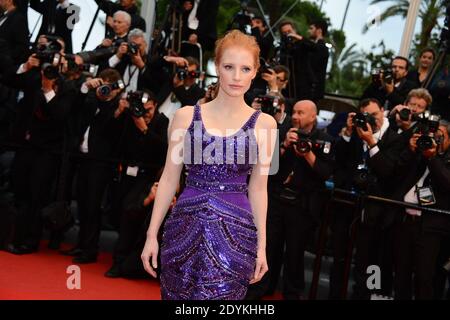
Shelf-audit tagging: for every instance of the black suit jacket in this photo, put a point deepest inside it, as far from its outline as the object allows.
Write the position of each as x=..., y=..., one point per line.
x=54, y=21
x=381, y=172
x=398, y=96
x=411, y=168
x=15, y=32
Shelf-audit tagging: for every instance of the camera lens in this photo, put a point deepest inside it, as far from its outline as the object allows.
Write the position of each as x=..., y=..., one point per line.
x=424, y=143
x=104, y=90
x=404, y=114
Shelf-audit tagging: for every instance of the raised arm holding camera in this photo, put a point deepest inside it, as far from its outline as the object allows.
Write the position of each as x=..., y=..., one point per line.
x=366, y=157
x=390, y=86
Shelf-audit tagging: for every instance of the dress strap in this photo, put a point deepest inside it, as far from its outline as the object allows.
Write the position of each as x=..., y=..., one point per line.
x=252, y=121
x=196, y=116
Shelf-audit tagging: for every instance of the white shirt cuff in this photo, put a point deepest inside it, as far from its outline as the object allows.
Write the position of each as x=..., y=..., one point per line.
x=49, y=95
x=84, y=88
x=114, y=61
x=374, y=151
x=21, y=69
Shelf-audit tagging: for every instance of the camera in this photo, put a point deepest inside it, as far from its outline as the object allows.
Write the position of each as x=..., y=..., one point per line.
x=50, y=57
x=137, y=100
x=377, y=73
x=265, y=67
x=133, y=49
x=72, y=66
x=184, y=73
x=287, y=42
x=360, y=120
x=305, y=143
x=427, y=125
x=404, y=114
x=269, y=104
x=106, y=89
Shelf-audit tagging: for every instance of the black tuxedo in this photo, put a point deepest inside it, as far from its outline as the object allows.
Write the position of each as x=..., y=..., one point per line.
x=14, y=31
x=419, y=239
x=373, y=243
x=54, y=21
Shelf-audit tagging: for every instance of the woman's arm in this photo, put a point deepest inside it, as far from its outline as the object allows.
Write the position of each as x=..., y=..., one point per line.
x=257, y=191
x=167, y=185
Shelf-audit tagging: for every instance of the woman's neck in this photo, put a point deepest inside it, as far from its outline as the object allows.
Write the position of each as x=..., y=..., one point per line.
x=423, y=69
x=226, y=104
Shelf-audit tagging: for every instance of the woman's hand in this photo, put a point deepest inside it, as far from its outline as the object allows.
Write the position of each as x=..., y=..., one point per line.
x=261, y=267
x=150, y=252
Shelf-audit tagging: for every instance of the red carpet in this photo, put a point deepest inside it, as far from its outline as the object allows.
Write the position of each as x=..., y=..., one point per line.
x=43, y=276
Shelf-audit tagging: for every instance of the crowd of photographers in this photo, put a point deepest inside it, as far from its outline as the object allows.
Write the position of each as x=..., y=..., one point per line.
x=92, y=127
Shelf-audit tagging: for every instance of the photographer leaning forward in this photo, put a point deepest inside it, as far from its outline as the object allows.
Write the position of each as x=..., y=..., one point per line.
x=391, y=86
x=180, y=89
x=424, y=179
x=365, y=157
x=99, y=133
x=143, y=150
x=42, y=116
x=295, y=202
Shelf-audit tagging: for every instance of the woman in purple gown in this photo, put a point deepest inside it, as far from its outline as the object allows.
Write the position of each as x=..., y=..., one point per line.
x=214, y=239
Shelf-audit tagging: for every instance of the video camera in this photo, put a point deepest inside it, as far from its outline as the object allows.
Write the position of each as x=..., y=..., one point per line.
x=427, y=125
x=137, y=100
x=305, y=143
x=360, y=120
x=184, y=73
x=106, y=89
x=269, y=104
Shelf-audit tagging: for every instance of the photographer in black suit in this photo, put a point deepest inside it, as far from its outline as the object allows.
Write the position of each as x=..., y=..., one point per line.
x=57, y=17
x=295, y=202
x=143, y=152
x=391, y=86
x=424, y=179
x=99, y=132
x=129, y=6
x=366, y=158
x=47, y=102
x=14, y=30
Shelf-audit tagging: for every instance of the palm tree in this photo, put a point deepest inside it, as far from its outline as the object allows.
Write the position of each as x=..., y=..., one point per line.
x=429, y=13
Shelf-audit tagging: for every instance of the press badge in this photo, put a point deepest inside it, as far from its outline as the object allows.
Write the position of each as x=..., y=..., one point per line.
x=132, y=171
x=426, y=196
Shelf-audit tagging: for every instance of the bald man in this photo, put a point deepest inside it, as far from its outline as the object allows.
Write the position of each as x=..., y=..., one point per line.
x=295, y=202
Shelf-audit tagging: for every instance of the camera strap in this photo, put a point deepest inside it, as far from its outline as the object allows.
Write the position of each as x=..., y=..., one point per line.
x=130, y=75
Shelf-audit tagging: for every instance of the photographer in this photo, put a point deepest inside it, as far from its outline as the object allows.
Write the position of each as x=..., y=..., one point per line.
x=307, y=60
x=128, y=6
x=275, y=105
x=295, y=202
x=98, y=132
x=55, y=19
x=403, y=118
x=390, y=87
x=182, y=89
x=366, y=157
x=42, y=115
x=143, y=152
x=110, y=45
x=14, y=30
x=425, y=180
x=259, y=31
x=131, y=61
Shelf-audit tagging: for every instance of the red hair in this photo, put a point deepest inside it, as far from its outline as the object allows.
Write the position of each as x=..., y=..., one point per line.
x=236, y=38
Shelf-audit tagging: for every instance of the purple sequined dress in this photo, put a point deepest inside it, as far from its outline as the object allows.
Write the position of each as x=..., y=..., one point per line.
x=209, y=241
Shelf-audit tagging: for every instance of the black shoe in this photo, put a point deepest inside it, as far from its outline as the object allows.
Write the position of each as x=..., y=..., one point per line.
x=84, y=258
x=74, y=252
x=114, y=271
x=22, y=249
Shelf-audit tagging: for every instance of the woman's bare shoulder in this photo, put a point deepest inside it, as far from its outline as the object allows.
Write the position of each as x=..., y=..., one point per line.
x=265, y=121
x=183, y=117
